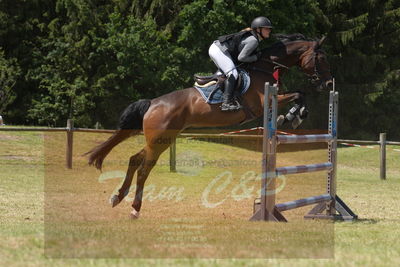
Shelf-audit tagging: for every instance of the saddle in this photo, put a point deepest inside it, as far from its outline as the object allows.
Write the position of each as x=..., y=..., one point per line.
x=207, y=80
x=217, y=78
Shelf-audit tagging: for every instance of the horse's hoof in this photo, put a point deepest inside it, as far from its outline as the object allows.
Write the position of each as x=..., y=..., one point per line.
x=280, y=120
x=134, y=214
x=296, y=122
x=114, y=200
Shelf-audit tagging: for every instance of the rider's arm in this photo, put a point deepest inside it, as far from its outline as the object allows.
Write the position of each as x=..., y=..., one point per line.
x=248, y=46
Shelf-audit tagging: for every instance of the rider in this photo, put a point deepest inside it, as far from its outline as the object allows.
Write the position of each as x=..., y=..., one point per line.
x=230, y=49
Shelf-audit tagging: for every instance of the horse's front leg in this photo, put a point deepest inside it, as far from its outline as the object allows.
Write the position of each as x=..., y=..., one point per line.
x=297, y=113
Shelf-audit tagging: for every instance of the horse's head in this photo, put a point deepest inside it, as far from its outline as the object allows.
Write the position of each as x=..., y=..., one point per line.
x=315, y=64
x=296, y=49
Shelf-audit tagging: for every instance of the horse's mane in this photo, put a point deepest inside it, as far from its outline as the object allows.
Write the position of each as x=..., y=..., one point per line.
x=283, y=40
x=291, y=37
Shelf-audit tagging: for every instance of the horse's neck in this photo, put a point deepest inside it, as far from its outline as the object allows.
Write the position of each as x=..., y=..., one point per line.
x=291, y=53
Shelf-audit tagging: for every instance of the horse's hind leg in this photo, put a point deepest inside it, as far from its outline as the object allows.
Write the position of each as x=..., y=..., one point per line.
x=134, y=162
x=150, y=159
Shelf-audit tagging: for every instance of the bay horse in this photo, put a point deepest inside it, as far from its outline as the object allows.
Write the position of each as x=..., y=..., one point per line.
x=161, y=119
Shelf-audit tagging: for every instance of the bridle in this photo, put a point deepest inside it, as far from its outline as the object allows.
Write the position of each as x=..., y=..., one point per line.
x=316, y=77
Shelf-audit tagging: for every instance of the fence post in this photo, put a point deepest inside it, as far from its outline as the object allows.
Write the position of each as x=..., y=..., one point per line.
x=70, y=140
x=172, y=156
x=382, y=141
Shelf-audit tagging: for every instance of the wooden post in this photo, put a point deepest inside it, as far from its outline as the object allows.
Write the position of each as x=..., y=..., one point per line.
x=70, y=140
x=172, y=156
x=382, y=141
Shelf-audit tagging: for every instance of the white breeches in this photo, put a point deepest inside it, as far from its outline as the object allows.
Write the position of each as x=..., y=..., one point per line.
x=223, y=61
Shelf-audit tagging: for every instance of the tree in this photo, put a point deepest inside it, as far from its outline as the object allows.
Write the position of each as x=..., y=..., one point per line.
x=21, y=26
x=66, y=63
x=9, y=73
x=365, y=39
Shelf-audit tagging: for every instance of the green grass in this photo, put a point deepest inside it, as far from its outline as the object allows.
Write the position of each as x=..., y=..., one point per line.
x=53, y=216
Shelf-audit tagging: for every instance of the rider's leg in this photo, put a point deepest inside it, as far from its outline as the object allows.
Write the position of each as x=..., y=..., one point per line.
x=229, y=102
x=225, y=63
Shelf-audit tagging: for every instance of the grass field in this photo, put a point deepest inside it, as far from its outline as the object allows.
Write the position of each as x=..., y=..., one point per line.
x=198, y=216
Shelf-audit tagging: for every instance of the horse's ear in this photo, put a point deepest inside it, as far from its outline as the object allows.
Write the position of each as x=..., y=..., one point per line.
x=321, y=41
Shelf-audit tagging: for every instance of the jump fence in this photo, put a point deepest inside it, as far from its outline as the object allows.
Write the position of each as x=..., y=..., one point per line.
x=329, y=205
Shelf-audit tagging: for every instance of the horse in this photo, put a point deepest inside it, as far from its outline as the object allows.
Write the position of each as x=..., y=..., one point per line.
x=161, y=119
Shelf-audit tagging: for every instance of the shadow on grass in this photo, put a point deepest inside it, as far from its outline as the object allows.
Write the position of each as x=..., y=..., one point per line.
x=363, y=221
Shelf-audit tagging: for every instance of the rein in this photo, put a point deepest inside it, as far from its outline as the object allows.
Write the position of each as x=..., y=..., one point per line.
x=259, y=69
x=274, y=63
x=277, y=64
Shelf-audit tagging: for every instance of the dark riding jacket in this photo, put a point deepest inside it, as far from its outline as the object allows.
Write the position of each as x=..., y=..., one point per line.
x=241, y=46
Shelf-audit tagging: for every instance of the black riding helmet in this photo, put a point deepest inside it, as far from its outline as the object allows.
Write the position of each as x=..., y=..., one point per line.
x=261, y=22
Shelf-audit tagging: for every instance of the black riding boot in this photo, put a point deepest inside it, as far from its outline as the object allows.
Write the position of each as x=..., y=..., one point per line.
x=229, y=102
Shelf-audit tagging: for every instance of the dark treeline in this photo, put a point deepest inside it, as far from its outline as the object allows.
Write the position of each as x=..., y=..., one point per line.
x=87, y=59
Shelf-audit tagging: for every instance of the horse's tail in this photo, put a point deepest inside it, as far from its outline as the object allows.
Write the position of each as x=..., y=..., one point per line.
x=130, y=123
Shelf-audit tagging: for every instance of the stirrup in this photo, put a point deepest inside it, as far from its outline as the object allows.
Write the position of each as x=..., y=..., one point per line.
x=231, y=106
